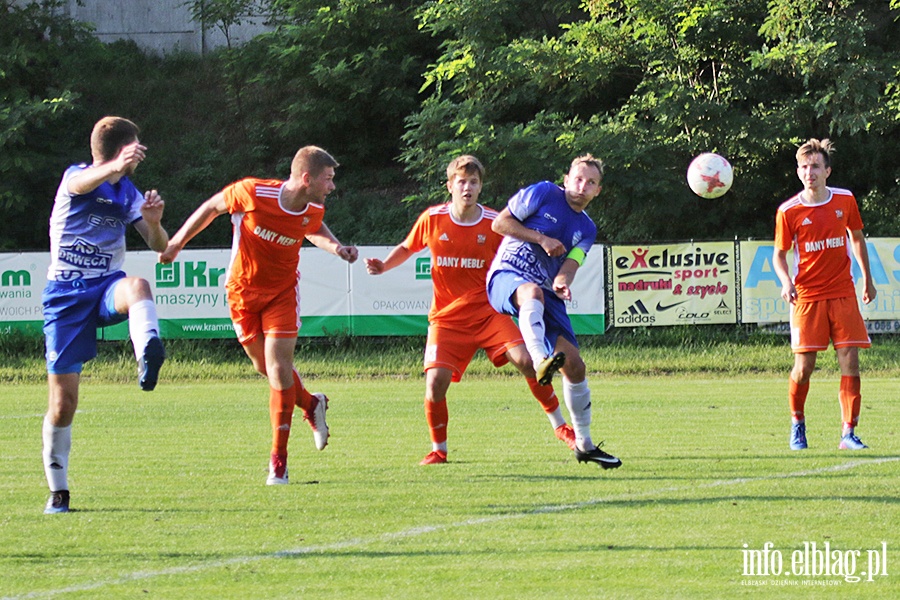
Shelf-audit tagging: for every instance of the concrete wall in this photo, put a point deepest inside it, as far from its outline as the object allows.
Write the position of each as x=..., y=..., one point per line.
x=161, y=26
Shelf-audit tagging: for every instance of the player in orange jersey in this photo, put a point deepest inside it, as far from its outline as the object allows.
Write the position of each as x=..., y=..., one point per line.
x=461, y=321
x=271, y=218
x=819, y=223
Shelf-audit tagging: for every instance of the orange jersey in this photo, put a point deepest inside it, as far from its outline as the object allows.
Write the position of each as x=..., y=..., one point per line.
x=460, y=256
x=265, y=249
x=818, y=234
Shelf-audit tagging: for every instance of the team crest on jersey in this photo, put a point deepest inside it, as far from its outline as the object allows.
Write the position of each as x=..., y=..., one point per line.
x=839, y=213
x=305, y=221
x=481, y=239
x=85, y=255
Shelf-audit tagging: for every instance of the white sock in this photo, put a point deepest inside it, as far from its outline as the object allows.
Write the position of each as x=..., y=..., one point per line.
x=442, y=446
x=57, y=444
x=531, y=324
x=556, y=418
x=578, y=400
x=143, y=324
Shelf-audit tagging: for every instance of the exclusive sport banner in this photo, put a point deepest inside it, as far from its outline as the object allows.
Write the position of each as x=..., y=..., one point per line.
x=673, y=284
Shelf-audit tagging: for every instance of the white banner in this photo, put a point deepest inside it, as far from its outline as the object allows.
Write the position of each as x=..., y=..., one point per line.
x=336, y=298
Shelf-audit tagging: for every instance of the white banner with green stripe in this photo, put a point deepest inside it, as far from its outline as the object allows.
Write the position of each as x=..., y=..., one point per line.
x=336, y=298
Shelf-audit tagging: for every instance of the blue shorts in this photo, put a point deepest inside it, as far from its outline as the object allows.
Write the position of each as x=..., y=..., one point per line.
x=502, y=287
x=73, y=310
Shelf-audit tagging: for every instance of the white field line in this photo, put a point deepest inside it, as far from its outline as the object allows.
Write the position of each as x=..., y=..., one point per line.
x=426, y=529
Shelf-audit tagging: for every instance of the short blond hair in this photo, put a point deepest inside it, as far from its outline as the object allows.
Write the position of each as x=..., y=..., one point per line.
x=110, y=135
x=466, y=164
x=590, y=160
x=312, y=160
x=814, y=146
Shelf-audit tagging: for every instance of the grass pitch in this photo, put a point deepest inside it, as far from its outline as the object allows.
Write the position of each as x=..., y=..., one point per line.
x=169, y=497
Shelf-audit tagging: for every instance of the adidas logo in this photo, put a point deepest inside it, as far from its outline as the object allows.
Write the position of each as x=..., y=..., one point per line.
x=806, y=221
x=444, y=238
x=637, y=308
x=636, y=314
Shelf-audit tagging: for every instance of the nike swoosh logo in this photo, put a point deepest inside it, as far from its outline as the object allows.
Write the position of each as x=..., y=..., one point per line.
x=661, y=308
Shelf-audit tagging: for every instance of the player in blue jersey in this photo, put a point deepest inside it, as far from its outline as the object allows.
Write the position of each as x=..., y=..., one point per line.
x=547, y=237
x=86, y=287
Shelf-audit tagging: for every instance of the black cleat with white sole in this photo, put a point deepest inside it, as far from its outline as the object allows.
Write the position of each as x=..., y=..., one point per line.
x=607, y=461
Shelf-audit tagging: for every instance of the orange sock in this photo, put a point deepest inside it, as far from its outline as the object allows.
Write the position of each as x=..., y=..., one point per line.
x=437, y=417
x=797, y=398
x=851, y=399
x=281, y=410
x=543, y=394
x=304, y=398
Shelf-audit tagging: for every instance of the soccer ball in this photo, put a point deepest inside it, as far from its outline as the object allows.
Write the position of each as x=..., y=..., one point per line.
x=709, y=175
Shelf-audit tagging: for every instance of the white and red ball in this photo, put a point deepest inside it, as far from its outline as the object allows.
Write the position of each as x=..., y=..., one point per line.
x=709, y=175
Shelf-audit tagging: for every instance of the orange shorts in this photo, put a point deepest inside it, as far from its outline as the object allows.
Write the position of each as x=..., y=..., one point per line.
x=273, y=315
x=813, y=324
x=453, y=347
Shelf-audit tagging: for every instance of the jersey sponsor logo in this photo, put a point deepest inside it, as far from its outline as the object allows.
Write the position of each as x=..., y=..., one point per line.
x=806, y=221
x=105, y=221
x=444, y=237
x=820, y=245
x=550, y=217
x=274, y=236
x=85, y=255
x=523, y=261
x=104, y=200
x=460, y=262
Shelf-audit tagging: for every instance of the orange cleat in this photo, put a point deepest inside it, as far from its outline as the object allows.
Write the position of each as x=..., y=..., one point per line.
x=436, y=457
x=566, y=434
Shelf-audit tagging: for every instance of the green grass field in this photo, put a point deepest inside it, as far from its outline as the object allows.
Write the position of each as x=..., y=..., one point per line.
x=170, y=502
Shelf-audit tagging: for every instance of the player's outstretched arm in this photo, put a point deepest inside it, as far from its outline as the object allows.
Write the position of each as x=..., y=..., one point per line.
x=324, y=239
x=507, y=224
x=197, y=222
x=150, y=225
x=395, y=257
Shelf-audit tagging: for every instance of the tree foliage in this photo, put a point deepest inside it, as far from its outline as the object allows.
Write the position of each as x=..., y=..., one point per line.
x=34, y=101
x=396, y=88
x=647, y=84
